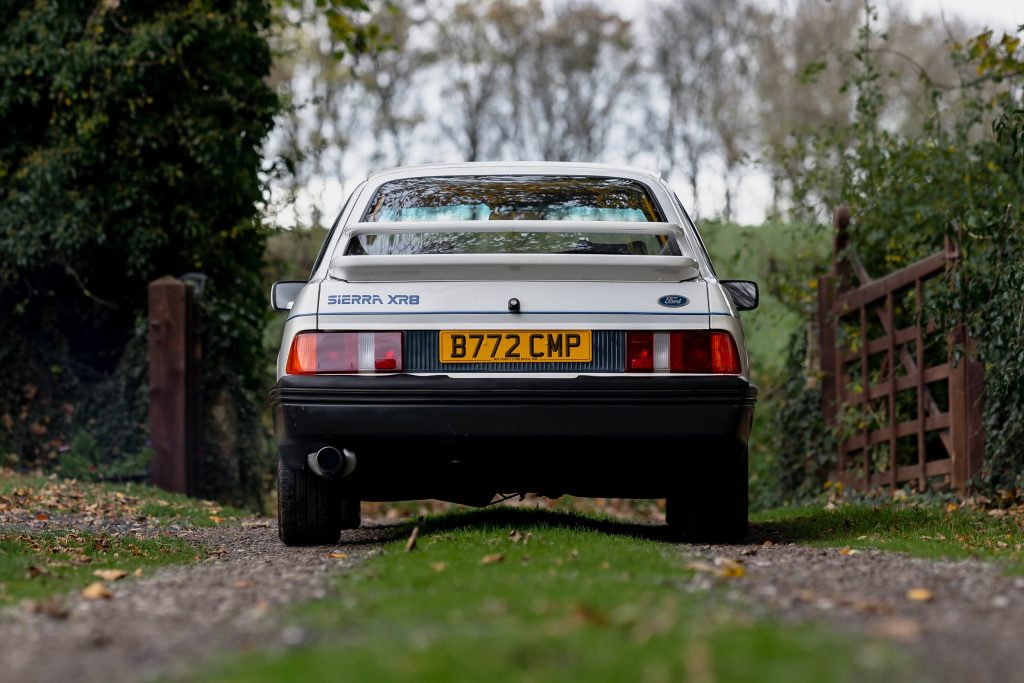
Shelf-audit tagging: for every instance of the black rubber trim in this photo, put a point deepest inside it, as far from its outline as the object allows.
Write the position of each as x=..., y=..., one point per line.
x=435, y=389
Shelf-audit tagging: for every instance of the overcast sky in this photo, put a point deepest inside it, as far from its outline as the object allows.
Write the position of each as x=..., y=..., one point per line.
x=995, y=14
x=753, y=193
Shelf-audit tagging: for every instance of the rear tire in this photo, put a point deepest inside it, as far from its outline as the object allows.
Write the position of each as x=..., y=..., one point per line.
x=309, y=508
x=714, y=508
x=351, y=515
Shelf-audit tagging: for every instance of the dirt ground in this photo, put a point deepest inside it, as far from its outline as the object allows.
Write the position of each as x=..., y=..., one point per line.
x=964, y=624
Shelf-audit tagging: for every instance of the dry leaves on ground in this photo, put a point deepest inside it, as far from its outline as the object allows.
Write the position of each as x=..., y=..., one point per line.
x=97, y=590
x=897, y=628
x=110, y=574
x=722, y=567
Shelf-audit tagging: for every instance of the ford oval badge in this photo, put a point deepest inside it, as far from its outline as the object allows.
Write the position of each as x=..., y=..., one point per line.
x=673, y=300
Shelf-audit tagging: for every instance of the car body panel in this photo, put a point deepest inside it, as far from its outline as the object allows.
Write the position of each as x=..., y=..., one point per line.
x=434, y=430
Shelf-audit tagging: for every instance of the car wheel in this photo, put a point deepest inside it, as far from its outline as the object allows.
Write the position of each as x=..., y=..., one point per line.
x=308, y=508
x=351, y=516
x=714, y=508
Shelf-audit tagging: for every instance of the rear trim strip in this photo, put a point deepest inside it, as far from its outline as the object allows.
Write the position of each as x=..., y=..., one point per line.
x=521, y=313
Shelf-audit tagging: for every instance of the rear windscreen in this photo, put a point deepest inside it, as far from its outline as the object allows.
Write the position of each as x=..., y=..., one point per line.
x=493, y=198
x=569, y=242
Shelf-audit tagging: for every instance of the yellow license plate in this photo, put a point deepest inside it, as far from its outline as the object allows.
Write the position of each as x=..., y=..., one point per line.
x=515, y=346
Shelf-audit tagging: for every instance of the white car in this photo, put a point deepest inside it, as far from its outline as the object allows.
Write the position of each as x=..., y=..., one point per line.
x=478, y=329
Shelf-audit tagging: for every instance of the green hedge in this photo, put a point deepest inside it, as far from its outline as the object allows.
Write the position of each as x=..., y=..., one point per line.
x=131, y=143
x=962, y=176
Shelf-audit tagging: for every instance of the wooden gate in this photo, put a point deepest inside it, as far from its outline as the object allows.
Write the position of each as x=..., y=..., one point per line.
x=904, y=409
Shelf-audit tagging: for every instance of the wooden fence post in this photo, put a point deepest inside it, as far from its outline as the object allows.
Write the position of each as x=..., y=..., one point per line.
x=174, y=380
x=827, y=346
x=966, y=386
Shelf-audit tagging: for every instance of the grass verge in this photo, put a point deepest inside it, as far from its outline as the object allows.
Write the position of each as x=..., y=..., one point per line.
x=922, y=529
x=46, y=496
x=507, y=595
x=40, y=565
x=56, y=533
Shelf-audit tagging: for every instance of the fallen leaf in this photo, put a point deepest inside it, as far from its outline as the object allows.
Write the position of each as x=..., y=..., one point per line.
x=42, y=516
x=337, y=555
x=242, y=583
x=137, y=572
x=589, y=615
x=848, y=551
x=699, y=566
x=110, y=574
x=215, y=519
x=606, y=565
x=729, y=569
x=97, y=590
x=951, y=507
x=438, y=566
x=515, y=536
x=920, y=595
x=492, y=559
x=897, y=628
x=410, y=545
x=36, y=571
x=256, y=523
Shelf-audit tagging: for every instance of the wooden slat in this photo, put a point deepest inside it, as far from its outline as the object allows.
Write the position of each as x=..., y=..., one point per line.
x=864, y=380
x=909, y=472
x=881, y=344
x=890, y=312
x=827, y=348
x=909, y=428
x=958, y=406
x=881, y=390
x=878, y=289
x=919, y=383
x=936, y=468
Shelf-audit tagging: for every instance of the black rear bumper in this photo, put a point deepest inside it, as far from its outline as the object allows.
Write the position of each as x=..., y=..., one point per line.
x=586, y=435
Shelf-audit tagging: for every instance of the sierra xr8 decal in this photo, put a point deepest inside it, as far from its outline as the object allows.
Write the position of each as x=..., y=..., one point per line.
x=363, y=299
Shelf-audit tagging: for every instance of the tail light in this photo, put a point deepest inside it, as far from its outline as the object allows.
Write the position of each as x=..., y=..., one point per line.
x=314, y=353
x=697, y=352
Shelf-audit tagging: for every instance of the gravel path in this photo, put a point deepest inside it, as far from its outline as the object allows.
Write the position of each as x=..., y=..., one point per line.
x=965, y=624
x=157, y=626
x=963, y=619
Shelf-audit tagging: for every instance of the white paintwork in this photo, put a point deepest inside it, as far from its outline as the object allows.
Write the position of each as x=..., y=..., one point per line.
x=555, y=293
x=513, y=267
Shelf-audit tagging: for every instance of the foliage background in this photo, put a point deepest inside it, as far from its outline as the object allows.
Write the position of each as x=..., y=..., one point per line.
x=132, y=143
x=958, y=175
x=143, y=140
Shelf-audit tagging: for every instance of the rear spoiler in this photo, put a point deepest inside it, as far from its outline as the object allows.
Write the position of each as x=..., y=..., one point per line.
x=554, y=267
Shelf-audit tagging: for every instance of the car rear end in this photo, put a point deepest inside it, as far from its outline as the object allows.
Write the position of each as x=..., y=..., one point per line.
x=461, y=343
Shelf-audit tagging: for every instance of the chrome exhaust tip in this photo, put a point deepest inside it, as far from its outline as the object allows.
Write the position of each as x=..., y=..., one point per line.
x=331, y=463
